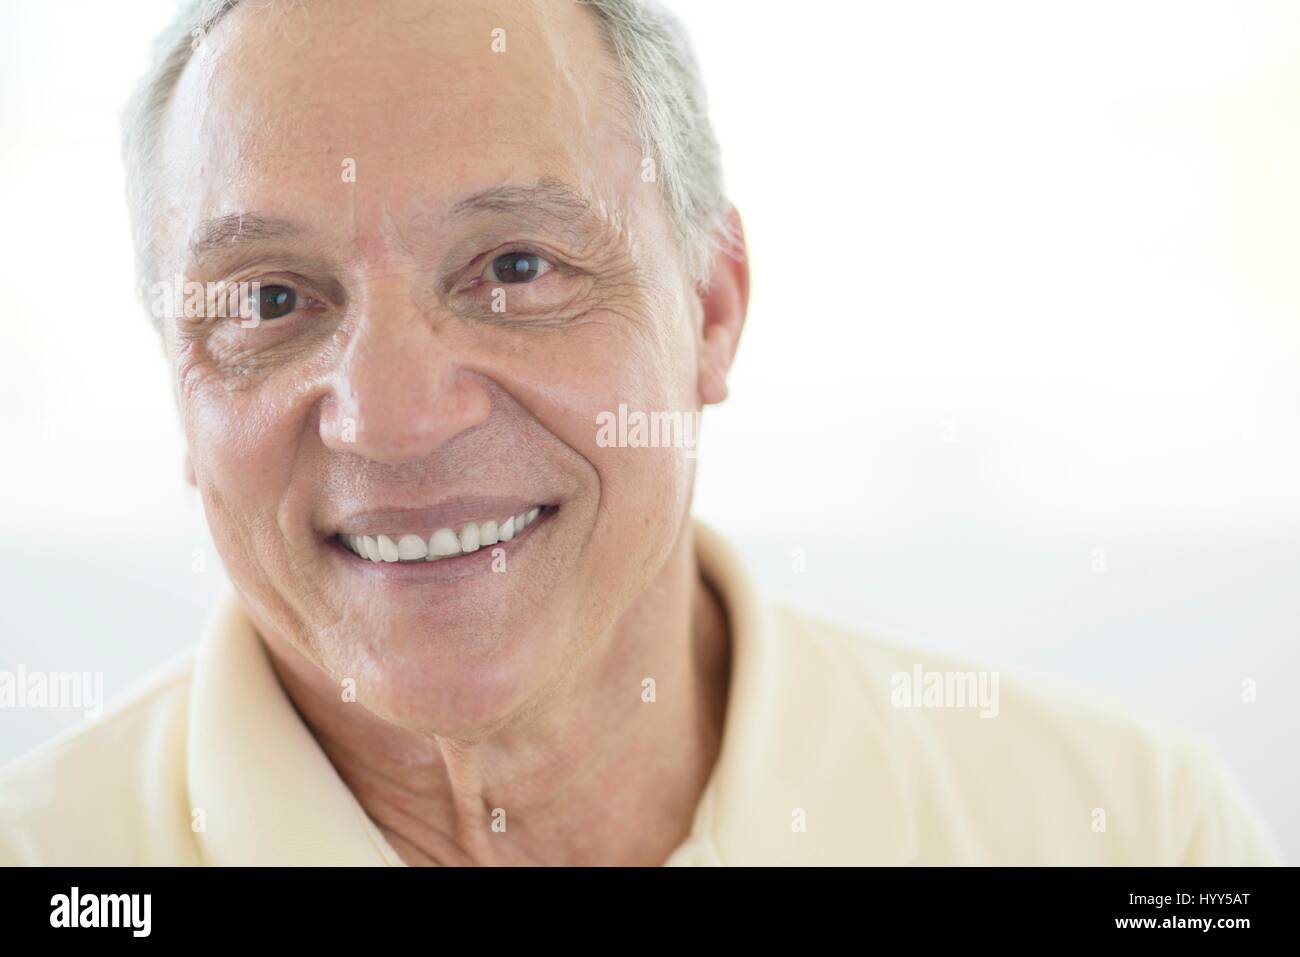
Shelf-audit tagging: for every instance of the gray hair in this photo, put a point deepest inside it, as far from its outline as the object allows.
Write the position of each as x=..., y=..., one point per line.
x=660, y=75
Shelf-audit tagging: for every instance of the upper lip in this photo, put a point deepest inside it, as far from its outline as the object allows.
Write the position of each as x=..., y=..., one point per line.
x=451, y=513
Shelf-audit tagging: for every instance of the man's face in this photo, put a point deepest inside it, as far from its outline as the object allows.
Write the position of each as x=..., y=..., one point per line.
x=471, y=267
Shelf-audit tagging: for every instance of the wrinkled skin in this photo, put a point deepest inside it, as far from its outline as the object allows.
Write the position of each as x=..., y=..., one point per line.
x=352, y=138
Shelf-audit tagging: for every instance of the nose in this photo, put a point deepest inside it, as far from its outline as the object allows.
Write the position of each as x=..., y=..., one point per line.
x=401, y=393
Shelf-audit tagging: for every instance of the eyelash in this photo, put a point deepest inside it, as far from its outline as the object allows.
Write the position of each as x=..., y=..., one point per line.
x=481, y=276
x=304, y=302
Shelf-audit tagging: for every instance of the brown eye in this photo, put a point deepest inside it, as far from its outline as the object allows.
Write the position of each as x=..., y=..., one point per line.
x=275, y=302
x=517, y=268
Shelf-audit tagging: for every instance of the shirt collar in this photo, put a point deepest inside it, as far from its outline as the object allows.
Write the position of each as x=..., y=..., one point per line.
x=802, y=733
x=267, y=793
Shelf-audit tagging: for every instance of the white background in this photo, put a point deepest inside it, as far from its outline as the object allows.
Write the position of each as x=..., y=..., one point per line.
x=1025, y=287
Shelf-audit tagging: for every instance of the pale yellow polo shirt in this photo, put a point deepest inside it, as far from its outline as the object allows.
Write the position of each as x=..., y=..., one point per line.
x=208, y=763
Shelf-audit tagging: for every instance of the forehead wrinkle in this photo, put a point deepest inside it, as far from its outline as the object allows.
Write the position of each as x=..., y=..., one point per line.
x=597, y=213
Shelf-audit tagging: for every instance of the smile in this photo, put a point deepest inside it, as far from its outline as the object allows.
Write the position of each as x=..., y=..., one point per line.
x=412, y=547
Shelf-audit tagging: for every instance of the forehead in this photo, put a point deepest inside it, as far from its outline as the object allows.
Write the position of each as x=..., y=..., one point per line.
x=426, y=100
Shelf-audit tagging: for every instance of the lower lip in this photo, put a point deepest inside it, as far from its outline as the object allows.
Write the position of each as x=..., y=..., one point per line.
x=444, y=570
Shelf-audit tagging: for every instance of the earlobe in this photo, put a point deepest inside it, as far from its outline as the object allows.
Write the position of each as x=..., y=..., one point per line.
x=724, y=304
x=713, y=383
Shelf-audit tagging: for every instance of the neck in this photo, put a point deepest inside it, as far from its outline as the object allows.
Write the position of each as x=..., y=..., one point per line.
x=608, y=770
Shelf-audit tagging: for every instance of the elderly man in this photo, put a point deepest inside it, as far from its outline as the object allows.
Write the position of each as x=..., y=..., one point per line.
x=468, y=627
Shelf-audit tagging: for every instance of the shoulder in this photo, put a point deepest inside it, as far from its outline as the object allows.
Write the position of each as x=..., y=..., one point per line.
x=1016, y=768
x=109, y=792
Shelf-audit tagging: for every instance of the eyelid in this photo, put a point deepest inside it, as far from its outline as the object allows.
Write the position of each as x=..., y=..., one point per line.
x=305, y=300
x=550, y=265
x=303, y=295
x=305, y=290
x=479, y=266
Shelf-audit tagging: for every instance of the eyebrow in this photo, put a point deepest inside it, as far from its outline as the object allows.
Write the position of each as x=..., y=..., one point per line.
x=238, y=229
x=546, y=202
x=547, y=195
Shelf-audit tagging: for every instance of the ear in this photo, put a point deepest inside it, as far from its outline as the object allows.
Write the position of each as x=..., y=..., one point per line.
x=724, y=301
x=190, y=478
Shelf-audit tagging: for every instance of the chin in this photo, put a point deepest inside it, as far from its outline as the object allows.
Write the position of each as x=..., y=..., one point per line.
x=459, y=679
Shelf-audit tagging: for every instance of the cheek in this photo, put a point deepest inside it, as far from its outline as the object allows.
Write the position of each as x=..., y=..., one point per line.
x=612, y=369
x=242, y=444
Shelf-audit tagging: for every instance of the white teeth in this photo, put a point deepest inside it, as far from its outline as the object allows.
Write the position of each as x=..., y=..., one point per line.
x=469, y=538
x=387, y=549
x=443, y=543
x=411, y=548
